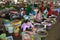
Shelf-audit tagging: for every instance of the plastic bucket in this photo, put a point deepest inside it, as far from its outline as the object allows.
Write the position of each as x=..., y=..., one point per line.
x=7, y=24
x=10, y=29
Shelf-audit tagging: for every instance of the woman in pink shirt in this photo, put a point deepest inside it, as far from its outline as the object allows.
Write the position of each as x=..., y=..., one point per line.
x=38, y=16
x=27, y=28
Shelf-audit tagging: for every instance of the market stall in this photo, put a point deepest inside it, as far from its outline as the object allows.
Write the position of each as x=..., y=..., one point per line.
x=14, y=15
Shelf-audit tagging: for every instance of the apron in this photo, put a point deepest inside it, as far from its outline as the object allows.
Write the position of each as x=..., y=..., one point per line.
x=27, y=29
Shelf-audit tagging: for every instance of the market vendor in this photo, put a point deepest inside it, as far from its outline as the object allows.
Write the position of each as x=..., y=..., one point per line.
x=42, y=6
x=50, y=11
x=38, y=16
x=27, y=27
x=45, y=13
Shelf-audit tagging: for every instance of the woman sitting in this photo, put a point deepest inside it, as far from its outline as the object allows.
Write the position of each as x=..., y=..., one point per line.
x=27, y=28
x=38, y=17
